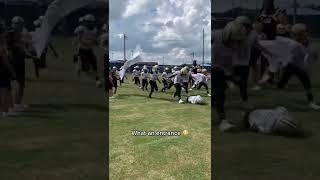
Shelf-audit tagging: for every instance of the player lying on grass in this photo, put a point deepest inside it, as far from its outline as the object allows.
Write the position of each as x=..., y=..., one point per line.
x=195, y=100
x=277, y=121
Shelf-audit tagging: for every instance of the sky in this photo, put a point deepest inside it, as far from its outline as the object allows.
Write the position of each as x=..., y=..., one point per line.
x=164, y=31
x=223, y=5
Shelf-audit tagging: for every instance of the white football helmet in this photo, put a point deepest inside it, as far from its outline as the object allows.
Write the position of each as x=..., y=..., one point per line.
x=17, y=20
x=89, y=17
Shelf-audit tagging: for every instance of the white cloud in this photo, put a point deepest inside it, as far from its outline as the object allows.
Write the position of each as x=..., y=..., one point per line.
x=134, y=7
x=116, y=8
x=169, y=28
x=179, y=53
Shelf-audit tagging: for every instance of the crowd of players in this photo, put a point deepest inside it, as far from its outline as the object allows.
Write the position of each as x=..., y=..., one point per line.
x=182, y=79
x=237, y=50
x=16, y=46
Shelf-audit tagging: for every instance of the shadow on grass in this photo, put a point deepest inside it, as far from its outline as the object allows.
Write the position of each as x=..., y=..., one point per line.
x=54, y=112
x=240, y=130
x=292, y=107
x=26, y=115
x=158, y=98
x=59, y=81
x=90, y=107
x=146, y=97
x=58, y=108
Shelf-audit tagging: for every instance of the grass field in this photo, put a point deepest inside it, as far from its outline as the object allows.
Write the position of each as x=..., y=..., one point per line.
x=63, y=133
x=183, y=157
x=253, y=156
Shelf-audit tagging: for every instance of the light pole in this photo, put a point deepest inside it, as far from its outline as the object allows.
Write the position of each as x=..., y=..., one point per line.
x=203, y=47
x=124, y=46
x=294, y=11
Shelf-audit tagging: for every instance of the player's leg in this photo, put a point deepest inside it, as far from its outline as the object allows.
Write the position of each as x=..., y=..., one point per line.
x=219, y=86
x=156, y=87
x=288, y=71
x=36, y=67
x=306, y=82
x=152, y=88
x=186, y=84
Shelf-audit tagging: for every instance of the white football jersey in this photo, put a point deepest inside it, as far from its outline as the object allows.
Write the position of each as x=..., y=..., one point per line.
x=241, y=56
x=164, y=75
x=154, y=76
x=178, y=79
x=269, y=121
x=88, y=38
x=144, y=75
x=136, y=73
x=222, y=55
x=195, y=99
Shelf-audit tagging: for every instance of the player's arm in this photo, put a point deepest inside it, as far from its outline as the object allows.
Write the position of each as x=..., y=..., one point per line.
x=173, y=75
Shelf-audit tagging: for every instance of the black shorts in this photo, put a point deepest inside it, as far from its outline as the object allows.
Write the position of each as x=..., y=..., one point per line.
x=255, y=55
x=88, y=58
x=114, y=82
x=110, y=84
x=19, y=66
x=5, y=78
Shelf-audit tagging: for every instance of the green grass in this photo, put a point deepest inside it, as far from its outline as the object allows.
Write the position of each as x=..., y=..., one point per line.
x=248, y=155
x=183, y=157
x=63, y=134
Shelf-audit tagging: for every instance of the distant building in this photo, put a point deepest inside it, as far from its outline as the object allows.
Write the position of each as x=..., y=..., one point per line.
x=116, y=63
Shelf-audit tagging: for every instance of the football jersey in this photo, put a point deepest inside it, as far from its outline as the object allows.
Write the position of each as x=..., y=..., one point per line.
x=19, y=40
x=87, y=37
x=241, y=56
x=195, y=99
x=178, y=78
x=164, y=75
x=284, y=51
x=154, y=76
x=269, y=26
x=222, y=55
x=136, y=73
x=144, y=75
x=203, y=78
x=269, y=121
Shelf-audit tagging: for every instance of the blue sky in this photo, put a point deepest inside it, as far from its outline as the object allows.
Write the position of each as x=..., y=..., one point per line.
x=160, y=29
